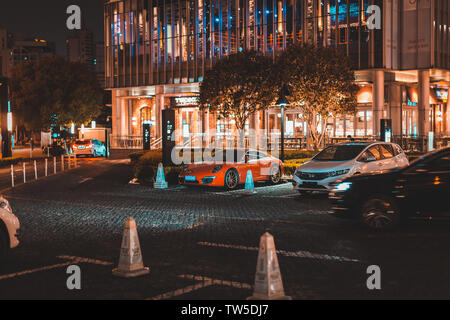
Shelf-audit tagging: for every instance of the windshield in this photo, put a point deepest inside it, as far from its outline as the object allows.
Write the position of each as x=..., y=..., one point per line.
x=82, y=142
x=340, y=153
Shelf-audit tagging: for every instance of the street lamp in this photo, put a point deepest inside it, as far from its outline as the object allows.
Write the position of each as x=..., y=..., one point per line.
x=282, y=102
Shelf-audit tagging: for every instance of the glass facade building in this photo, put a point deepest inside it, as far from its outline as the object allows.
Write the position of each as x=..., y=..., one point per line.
x=157, y=51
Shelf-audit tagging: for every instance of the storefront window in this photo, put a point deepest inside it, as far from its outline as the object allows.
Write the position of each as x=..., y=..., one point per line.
x=349, y=126
x=340, y=127
x=369, y=130
x=360, y=123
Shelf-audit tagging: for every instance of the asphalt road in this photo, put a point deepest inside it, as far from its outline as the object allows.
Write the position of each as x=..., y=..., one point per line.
x=201, y=243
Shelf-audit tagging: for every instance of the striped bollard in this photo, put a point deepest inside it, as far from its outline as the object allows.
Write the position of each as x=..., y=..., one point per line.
x=35, y=170
x=12, y=175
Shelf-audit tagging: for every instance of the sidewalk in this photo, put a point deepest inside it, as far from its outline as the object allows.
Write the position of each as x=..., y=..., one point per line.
x=24, y=152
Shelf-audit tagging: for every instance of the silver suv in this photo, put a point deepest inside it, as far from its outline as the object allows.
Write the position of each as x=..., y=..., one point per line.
x=342, y=160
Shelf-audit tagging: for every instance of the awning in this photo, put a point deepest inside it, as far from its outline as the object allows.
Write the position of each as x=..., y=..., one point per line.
x=413, y=95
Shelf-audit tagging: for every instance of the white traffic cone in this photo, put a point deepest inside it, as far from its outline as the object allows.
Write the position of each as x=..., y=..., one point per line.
x=130, y=261
x=160, y=182
x=268, y=282
x=249, y=184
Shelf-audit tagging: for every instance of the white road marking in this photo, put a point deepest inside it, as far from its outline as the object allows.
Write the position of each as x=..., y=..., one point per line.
x=72, y=260
x=296, y=254
x=205, y=282
x=85, y=180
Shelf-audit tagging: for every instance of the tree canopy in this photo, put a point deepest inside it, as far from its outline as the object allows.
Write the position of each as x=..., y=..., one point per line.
x=321, y=82
x=237, y=86
x=54, y=91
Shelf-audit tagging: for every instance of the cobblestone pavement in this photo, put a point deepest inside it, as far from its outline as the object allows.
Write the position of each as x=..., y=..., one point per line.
x=202, y=243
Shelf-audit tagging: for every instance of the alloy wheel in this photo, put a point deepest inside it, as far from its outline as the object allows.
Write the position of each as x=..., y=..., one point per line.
x=275, y=174
x=231, y=179
x=380, y=214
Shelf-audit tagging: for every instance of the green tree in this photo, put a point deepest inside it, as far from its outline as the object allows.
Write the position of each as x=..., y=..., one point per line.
x=237, y=86
x=321, y=82
x=54, y=91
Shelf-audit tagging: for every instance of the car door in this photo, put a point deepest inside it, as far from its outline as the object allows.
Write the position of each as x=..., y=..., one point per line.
x=388, y=157
x=264, y=165
x=251, y=163
x=400, y=158
x=370, y=160
x=427, y=186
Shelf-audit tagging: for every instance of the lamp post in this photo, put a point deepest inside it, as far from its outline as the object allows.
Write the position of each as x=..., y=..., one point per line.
x=282, y=102
x=6, y=118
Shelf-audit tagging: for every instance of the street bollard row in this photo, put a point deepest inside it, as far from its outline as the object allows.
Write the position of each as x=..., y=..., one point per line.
x=75, y=165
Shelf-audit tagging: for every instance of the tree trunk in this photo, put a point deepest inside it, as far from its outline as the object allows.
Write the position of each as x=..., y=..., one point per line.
x=241, y=137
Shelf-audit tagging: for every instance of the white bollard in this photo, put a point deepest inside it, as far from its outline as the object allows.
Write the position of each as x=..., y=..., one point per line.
x=54, y=165
x=12, y=175
x=62, y=162
x=24, y=173
x=46, y=165
x=35, y=170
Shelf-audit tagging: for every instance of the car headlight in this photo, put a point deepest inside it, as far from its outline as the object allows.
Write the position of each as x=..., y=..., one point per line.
x=343, y=186
x=217, y=168
x=4, y=204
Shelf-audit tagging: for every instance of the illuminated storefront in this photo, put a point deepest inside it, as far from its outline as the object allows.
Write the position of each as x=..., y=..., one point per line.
x=157, y=52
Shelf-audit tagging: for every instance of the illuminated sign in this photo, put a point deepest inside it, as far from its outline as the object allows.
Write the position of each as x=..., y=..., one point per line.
x=10, y=125
x=442, y=94
x=186, y=101
x=430, y=141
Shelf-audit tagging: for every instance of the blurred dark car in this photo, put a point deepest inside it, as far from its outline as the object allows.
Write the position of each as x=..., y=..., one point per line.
x=382, y=201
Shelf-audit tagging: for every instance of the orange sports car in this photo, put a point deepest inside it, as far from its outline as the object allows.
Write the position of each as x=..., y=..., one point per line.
x=229, y=169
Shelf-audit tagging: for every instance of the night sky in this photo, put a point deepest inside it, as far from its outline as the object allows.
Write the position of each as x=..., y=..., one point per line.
x=46, y=19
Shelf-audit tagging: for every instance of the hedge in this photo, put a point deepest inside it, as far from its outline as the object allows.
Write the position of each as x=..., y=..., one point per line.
x=291, y=165
x=9, y=161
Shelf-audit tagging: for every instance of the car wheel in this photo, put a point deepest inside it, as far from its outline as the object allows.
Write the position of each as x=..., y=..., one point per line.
x=275, y=174
x=380, y=213
x=4, y=248
x=231, y=179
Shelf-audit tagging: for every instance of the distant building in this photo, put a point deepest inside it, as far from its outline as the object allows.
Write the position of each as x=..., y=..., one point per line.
x=81, y=48
x=15, y=49
x=4, y=52
x=99, y=63
x=157, y=53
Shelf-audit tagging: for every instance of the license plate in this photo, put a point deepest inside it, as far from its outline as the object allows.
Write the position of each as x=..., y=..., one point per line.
x=189, y=178
x=310, y=185
x=81, y=147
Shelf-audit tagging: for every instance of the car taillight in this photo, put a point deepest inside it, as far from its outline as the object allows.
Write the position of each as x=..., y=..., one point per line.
x=74, y=147
x=89, y=146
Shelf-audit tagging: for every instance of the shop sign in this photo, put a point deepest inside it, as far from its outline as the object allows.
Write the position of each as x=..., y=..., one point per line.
x=186, y=101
